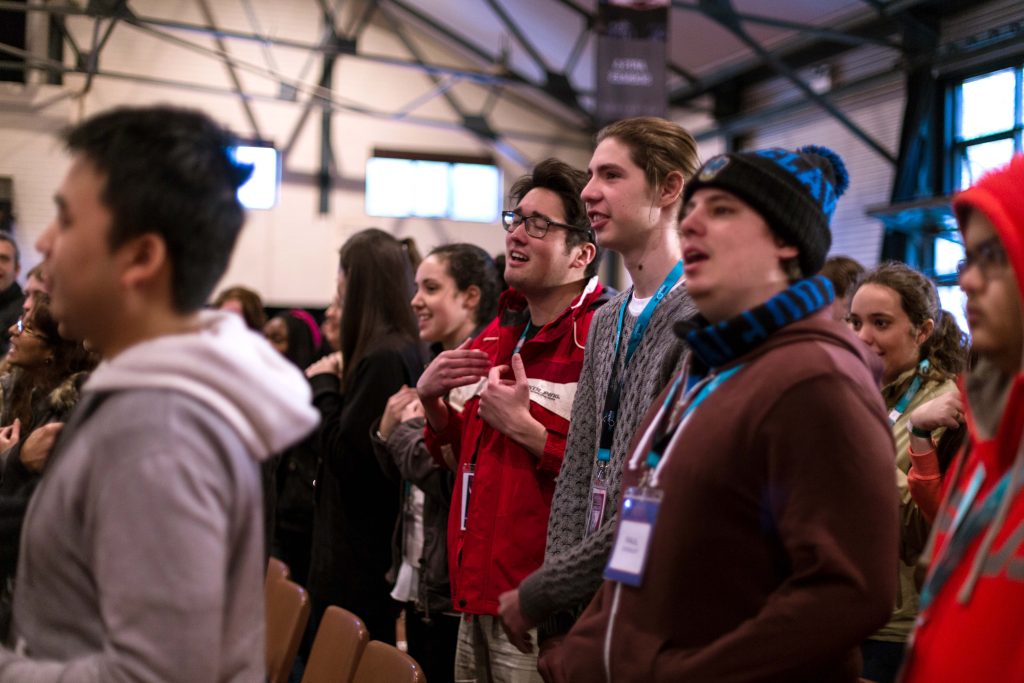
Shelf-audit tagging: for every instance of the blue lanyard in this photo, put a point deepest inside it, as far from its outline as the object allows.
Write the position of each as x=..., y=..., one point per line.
x=697, y=395
x=645, y=317
x=973, y=524
x=522, y=338
x=614, y=393
x=909, y=394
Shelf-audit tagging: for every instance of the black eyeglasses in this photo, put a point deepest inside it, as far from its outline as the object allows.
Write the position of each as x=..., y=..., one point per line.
x=535, y=226
x=989, y=257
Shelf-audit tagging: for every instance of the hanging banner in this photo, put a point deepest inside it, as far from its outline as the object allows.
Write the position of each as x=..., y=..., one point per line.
x=631, y=59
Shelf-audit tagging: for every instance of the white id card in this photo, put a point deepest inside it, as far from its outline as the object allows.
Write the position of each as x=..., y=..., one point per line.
x=468, y=470
x=598, y=498
x=632, y=541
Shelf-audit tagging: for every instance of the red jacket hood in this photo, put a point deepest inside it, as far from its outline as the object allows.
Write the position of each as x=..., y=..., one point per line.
x=996, y=400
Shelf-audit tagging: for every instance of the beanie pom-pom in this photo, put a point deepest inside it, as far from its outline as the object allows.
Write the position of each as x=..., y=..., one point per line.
x=838, y=167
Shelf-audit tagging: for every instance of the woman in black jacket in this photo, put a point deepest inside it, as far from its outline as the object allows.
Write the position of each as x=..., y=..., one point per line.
x=356, y=504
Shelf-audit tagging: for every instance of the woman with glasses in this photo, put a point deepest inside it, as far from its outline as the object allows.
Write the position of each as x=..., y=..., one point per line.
x=894, y=310
x=41, y=388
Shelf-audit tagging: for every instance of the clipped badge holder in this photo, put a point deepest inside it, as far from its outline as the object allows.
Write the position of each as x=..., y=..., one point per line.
x=632, y=541
x=468, y=472
x=598, y=495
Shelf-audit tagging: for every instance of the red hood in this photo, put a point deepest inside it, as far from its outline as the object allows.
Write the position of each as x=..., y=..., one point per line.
x=996, y=400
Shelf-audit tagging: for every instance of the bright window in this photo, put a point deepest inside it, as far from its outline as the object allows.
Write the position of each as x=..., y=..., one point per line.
x=987, y=124
x=948, y=252
x=260, y=191
x=402, y=187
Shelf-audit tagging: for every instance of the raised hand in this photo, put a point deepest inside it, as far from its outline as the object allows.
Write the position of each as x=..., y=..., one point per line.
x=454, y=368
x=946, y=410
x=396, y=406
x=38, y=445
x=505, y=405
x=10, y=434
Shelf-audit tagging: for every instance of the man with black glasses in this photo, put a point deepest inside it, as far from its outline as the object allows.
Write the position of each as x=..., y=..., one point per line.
x=515, y=384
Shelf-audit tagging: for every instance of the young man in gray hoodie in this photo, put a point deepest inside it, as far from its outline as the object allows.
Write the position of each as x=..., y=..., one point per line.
x=142, y=551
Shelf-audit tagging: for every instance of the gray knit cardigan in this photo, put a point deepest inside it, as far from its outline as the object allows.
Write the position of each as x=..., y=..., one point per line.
x=554, y=595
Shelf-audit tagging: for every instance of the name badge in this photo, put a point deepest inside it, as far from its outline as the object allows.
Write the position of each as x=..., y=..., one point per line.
x=468, y=472
x=598, y=497
x=632, y=542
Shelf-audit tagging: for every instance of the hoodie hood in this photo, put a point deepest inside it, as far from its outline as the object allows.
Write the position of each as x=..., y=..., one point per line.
x=994, y=397
x=230, y=369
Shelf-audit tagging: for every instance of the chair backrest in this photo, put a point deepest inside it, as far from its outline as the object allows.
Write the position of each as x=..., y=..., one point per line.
x=287, y=614
x=276, y=570
x=337, y=648
x=383, y=663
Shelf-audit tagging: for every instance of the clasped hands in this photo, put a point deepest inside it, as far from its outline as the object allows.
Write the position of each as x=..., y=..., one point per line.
x=503, y=401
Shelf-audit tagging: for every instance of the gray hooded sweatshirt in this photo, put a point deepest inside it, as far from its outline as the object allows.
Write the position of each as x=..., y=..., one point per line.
x=142, y=551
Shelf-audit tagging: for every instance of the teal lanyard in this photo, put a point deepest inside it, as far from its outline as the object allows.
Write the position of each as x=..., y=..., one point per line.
x=973, y=524
x=697, y=395
x=645, y=317
x=614, y=393
x=522, y=338
x=909, y=394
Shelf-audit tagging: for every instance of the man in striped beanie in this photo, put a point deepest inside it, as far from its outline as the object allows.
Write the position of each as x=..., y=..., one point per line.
x=759, y=519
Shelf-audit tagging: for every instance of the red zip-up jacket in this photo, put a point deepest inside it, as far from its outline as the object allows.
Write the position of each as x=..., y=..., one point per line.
x=973, y=627
x=510, y=499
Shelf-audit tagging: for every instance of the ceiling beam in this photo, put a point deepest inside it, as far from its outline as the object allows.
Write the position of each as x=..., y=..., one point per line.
x=553, y=87
x=722, y=12
x=229, y=66
x=797, y=53
x=518, y=34
x=477, y=124
x=343, y=47
x=843, y=37
x=34, y=62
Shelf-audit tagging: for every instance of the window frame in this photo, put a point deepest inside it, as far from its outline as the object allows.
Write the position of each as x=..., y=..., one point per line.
x=955, y=148
x=451, y=160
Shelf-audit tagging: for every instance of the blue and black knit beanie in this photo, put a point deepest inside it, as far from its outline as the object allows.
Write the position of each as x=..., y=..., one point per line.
x=794, y=191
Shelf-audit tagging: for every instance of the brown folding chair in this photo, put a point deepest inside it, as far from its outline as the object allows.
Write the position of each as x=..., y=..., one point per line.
x=287, y=614
x=383, y=663
x=276, y=569
x=339, y=643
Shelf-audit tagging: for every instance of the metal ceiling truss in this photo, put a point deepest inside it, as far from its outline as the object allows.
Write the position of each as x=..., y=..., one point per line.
x=556, y=86
x=32, y=61
x=892, y=26
x=722, y=12
x=475, y=123
x=333, y=45
x=852, y=39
